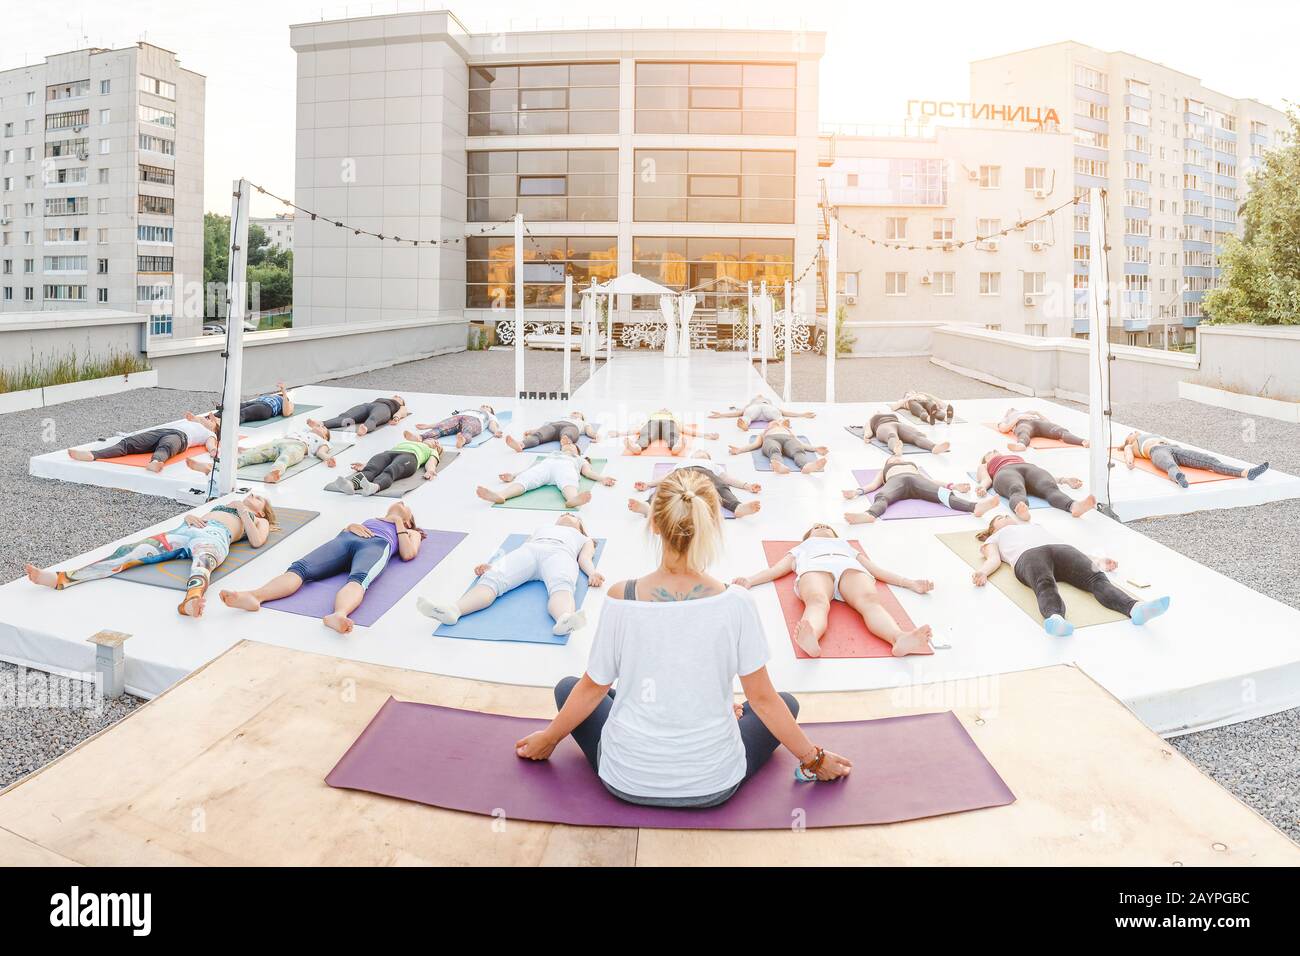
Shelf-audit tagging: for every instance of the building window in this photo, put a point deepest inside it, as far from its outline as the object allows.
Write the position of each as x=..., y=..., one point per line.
x=887, y=181
x=895, y=283
x=945, y=230
x=1082, y=252
x=990, y=177
x=896, y=228
x=543, y=99
x=105, y=86
x=715, y=269
x=572, y=185
x=153, y=293
x=103, y=175
x=677, y=185
x=160, y=324
x=66, y=147
x=101, y=295
x=490, y=268
x=102, y=236
x=102, y=267
x=751, y=99
x=65, y=293
x=67, y=91
x=156, y=144
x=1091, y=79
x=151, y=263
x=151, y=114
x=157, y=87
x=104, y=147
x=67, y=206
x=161, y=176
x=146, y=233
x=61, y=264
x=1035, y=283
x=848, y=284
x=70, y=120
x=157, y=205
x=990, y=283
x=945, y=283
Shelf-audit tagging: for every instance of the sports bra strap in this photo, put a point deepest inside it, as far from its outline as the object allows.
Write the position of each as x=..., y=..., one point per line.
x=629, y=590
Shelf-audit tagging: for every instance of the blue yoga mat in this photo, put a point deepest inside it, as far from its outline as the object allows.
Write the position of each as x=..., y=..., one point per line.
x=762, y=464
x=503, y=419
x=857, y=432
x=1034, y=500
x=518, y=615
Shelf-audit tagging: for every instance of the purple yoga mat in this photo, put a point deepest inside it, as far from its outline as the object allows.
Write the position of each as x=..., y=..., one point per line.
x=904, y=768
x=910, y=508
x=316, y=598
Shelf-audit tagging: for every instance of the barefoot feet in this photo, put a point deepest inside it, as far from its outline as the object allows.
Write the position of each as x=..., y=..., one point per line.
x=243, y=600
x=807, y=640
x=748, y=508
x=914, y=642
x=338, y=622
x=1083, y=506
x=814, y=466
x=42, y=577
x=487, y=494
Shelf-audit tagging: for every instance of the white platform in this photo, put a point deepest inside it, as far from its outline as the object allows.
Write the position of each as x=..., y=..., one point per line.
x=1185, y=671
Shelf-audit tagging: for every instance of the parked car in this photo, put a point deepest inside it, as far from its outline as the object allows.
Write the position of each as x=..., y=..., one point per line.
x=217, y=328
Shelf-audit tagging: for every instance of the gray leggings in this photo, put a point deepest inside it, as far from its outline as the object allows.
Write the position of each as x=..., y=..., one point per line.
x=1170, y=457
x=1028, y=429
x=660, y=429
x=552, y=431
x=887, y=431
x=788, y=446
x=164, y=443
x=919, y=487
x=370, y=414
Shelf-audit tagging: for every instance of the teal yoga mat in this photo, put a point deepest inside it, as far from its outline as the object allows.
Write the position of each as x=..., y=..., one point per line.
x=297, y=410
x=550, y=498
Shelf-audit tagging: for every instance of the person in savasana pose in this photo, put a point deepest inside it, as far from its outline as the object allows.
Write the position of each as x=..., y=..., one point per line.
x=361, y=551
x=689, y=636
x=553, y=554
x=160, y=443
x=1164, y=454
x=204, y=539
x=283, y=452
x=388, y=467
x=1025, y=426
x=368, y=416
x=759, y=408
x=901, y=479
x=889, y=431
x=1015, y=479
x=924, y=407
x=264, y=407
x=716, y=474
x=778, y=442
x=662, y=425
x=828, y=568
x=566, y=431
x=563, y=469
x=1039, y=560
x=466, y=424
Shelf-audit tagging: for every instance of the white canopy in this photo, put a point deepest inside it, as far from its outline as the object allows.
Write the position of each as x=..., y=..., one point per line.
x=631, y=284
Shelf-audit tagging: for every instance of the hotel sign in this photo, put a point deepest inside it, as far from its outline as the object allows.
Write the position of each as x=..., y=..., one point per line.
x=1006, y=112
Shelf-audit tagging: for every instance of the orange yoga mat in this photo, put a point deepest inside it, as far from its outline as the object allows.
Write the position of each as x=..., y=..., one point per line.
x=142, y=459
x=660, y=448
x=1195, y=476
x=846, y=633
x=1037, y=442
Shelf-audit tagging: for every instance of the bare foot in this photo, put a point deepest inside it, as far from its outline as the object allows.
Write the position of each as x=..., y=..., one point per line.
x=637, y=507
x=859, y=517
x=513, y=442
x=808, y=642
x=193, y=607
x=630, y=448
x=1083, y=506
x=1015, y=446
x=201, y=466
x=984, y=506
x=243, y=600
x=814, y=466
x=779, y=466
x=338, y=622
x=677, y=450
x=155, y=466
x=273, y=475
x=748, y=508
x=940, y=448
x=461, y=440
x=1086, y=443
x=742, y=424
x=41, y=576
x=1022, y=511
x=579, y=501
x=1072, y=482
x=914, y=642
x=80, y=454
x=487, y=494
x=361, y=430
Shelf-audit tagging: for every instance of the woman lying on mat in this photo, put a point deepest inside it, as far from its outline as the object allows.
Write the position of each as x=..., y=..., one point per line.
x=466, y=424
x=1039, y=560
x=204, y=539
x=715, y=474
x=553, y=555
x=368, y=416
x=827, y=568
x=924, y=407
x=563, y=469
x=401, y=461
x=277, y=403
x=361, y=551
x=662, y=425
x=283, y=452
x=778, y=442
x=901, y=479
x=888, y=430
x=163, y=443
x=759, y=408
x=1015, y=479
x=686, y=636
x=1172, y=458
x=1028, y=425
x=566, y=431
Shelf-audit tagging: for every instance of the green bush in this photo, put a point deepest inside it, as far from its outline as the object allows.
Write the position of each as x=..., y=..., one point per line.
x=62, y=370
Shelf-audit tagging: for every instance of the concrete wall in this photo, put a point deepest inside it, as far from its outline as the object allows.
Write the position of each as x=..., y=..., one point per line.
x=40, y=336
x=1260, y=360
x=873, y=339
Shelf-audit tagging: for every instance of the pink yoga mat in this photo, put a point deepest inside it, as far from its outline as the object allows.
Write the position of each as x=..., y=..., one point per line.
x=904, y=768
x=911, y=508
x=316, y=598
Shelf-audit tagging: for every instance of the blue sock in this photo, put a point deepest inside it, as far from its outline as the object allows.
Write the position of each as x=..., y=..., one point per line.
x=944, y=495
x=1148, y=610
x=1058, y=626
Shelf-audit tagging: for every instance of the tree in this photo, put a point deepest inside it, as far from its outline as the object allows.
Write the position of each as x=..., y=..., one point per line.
x=1261, y=273
x=270, y=271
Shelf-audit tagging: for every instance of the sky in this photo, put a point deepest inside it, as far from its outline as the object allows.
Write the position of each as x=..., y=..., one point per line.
x=878, y=55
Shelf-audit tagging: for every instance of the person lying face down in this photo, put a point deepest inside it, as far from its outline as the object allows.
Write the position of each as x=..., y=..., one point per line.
x=779, y=442
x=566, y=431
x=662, y=425
x=1172, y=459
x=465, y=424
x=1014, y=479
x=368, y=416
x=553, y=555
x=715, y=474
x=688, y=635
x=1025, y=426
x=1039, y=560
x=204, y=539
x=563, y=469
x=382, y=471
x=361, y=551
x=759, y=408
x=828, y=568
x=162, y=444
x=902, y=479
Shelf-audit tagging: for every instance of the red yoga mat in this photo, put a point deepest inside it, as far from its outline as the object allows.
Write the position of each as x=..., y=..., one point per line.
x=904, y=768
x=846, y=634
x=1195, y=476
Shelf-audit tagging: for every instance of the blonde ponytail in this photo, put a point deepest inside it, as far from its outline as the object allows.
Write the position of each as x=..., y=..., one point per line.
x=687, y=517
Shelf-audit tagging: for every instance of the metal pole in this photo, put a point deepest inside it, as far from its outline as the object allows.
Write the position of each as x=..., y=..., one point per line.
x=519, y=305
x=568, y=315
x=1098, y=349
x=749, y=321
x=236, y=297
x=609, y=329
x=789, y=340
x=832, y=306
x=591, y=320
x=764, y=328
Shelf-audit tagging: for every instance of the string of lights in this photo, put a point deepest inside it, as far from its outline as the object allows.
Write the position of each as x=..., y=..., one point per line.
x=954, y=243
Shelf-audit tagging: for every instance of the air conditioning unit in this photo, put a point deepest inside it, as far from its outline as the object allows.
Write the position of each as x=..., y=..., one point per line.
x=850, y=300
x=82, y=155
x=926, y=279
x=990, y=245
x=1030, y=302
x=949, y=247
x=1037, y=246
x=973, y=175
x=1040, y=193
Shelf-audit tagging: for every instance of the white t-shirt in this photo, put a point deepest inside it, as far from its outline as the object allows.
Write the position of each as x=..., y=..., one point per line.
x=487, y=420
x=570, y=540
x=1014, y=415
x=195, y=433
x=817, y=548
x=577, y=423
x=1015, y=539
x=672, y=732
x=308, y=438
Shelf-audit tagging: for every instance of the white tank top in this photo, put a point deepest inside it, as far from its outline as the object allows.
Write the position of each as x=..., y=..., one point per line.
x=570, y=540
x=1015, y=539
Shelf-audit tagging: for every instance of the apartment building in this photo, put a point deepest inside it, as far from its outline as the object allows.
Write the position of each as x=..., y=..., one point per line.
x=1173, y=155
x=687, y=156
x=278, y=229
x=101, y=186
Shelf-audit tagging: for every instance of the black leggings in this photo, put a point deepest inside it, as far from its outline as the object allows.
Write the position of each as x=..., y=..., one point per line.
x=165, y=443
x=1040, y=568
x=660, y=429
x=1017, y=481
x=886, y=431
x=916, y=486
x=726, y=497
x=255, y=410
x=552, y=431
x=758, y=740
x=390, y=466
x=370, y=414
x=1028, y=429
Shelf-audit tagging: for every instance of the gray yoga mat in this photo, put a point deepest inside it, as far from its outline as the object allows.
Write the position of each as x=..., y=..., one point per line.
x=399, y=489
x=259, y=471
x=857, y=431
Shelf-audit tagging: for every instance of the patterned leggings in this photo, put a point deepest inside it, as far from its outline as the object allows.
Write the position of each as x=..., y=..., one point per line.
x=206, y=548
x=468, y=425
x=284, y=452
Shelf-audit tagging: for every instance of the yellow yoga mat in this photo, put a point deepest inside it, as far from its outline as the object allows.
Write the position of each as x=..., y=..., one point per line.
x=1081, y=608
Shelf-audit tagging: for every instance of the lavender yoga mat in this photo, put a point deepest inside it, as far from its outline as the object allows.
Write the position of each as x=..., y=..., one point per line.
x=316, y=598
x=909, y=508
x=904, y=768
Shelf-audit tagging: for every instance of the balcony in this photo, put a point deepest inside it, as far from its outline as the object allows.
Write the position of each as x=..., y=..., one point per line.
x=1081, y=326
x=1191, y=321
x=1136, y=325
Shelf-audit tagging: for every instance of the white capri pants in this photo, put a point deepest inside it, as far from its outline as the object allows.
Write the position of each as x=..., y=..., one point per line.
x=533, y=561
x=551, y=471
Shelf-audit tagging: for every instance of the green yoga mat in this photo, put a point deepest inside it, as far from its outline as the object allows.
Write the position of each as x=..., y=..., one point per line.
x=260, y=471
x=1081, y=608
x=297, y=410
x=550, y=498
x=175, y=574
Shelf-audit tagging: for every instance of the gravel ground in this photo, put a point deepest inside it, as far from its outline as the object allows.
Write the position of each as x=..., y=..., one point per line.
x=43, y=522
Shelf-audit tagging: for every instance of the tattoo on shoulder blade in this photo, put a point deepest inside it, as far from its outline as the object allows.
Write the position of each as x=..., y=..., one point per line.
x=663, y=594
